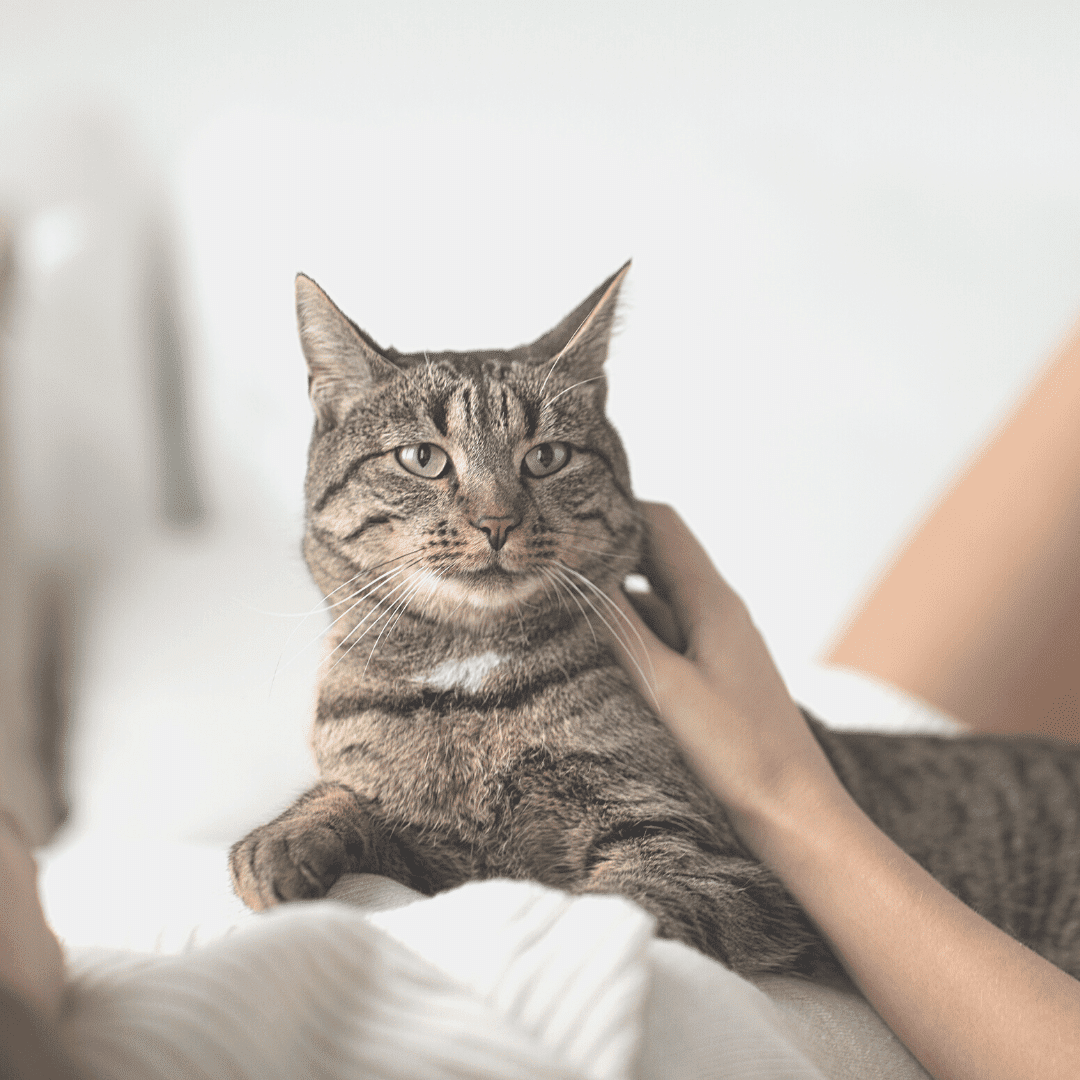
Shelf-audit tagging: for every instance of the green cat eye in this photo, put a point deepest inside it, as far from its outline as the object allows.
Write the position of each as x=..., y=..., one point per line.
x=545, y=459
x=425, y=459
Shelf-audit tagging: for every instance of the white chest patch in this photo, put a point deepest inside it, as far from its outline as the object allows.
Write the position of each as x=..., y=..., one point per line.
x=468, y=674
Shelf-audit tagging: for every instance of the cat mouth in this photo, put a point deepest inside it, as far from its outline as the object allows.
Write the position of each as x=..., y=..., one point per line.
x=494, y=574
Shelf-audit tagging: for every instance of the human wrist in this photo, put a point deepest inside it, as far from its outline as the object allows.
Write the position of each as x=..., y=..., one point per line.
x=804, y=809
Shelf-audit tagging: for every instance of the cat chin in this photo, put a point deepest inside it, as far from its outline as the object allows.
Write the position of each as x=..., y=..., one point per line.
x=473, y=598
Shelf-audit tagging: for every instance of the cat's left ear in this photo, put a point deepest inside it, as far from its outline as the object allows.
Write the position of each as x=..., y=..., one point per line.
x=344, y=364
x=578, y=346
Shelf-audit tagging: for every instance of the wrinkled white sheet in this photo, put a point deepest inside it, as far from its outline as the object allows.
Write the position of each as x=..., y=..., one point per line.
x=495, y=979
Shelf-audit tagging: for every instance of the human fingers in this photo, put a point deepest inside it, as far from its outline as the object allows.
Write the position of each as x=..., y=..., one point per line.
x=721, y=724
x=682, y=573
x=652, y=665
x=658, y=617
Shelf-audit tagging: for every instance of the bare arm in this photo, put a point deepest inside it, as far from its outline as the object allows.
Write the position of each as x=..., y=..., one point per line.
x=980, y=613
x=968, y=1000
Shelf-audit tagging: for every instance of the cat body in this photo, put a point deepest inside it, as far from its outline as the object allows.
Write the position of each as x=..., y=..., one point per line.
x=466, y=516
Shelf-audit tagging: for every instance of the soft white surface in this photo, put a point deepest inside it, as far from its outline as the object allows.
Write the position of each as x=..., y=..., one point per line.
x=496, y=979
x=308, y=991
x=198, y=686
x=578, y=980
x=149, y=894
x=488, y=980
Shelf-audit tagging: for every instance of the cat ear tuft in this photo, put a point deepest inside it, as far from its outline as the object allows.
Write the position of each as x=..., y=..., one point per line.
x=579, y=344
x=344, y=364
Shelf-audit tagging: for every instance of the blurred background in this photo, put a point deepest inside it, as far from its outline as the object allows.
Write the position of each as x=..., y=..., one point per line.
x=854, y=230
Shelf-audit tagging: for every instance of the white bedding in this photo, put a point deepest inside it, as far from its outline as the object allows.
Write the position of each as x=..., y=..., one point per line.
x=495, y=979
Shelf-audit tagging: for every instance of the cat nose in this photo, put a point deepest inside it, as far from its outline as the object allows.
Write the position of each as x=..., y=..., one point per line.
x=496, y=529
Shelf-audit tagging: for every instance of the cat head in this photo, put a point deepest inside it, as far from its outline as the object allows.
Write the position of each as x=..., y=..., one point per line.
x=475, y=481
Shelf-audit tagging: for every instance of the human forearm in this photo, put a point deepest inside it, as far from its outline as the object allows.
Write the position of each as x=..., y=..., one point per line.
x=967, y=1000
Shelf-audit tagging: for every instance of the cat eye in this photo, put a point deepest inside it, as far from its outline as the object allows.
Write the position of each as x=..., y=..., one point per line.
x=425, y=459
x=545, y=459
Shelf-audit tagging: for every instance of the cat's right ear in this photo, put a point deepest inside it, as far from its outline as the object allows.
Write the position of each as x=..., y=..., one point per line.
x=343, y=363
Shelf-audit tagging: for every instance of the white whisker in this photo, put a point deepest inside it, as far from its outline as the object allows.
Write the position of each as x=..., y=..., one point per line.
x=555, y=584
x=304, y=616
x=619, y=637
x=566, y=581
x=602, y=554
x=361, y=595
x=550, y=401
x=383, y=600
x=389, y=627
x=366, y=590
x=615, y=608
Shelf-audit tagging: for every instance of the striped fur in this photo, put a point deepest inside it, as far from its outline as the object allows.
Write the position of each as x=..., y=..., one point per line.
x=472, y=722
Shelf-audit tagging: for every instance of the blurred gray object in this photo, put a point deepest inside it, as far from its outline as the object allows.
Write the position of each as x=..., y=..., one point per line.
x=93, y=421
x=95, y=388
x=33, y=679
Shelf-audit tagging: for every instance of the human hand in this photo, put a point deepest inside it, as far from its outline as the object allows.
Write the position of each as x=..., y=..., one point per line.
x=967, y=999
x=31, y=961
x=723, y=698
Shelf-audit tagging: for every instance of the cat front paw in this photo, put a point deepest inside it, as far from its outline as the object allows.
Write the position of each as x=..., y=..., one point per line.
x=287, y=860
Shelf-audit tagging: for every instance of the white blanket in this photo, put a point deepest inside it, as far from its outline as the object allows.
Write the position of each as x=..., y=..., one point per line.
x=495, y=979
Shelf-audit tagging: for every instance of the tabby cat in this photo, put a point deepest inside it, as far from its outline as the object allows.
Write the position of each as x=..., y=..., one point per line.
x=466, y=513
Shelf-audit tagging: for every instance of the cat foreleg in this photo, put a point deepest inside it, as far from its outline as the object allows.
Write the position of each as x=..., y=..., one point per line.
x=327, y=832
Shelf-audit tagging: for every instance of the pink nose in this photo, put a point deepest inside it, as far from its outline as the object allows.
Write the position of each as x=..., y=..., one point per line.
x=496, y=529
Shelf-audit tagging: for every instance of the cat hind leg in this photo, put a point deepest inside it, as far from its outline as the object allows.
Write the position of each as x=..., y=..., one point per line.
x=729, y=907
